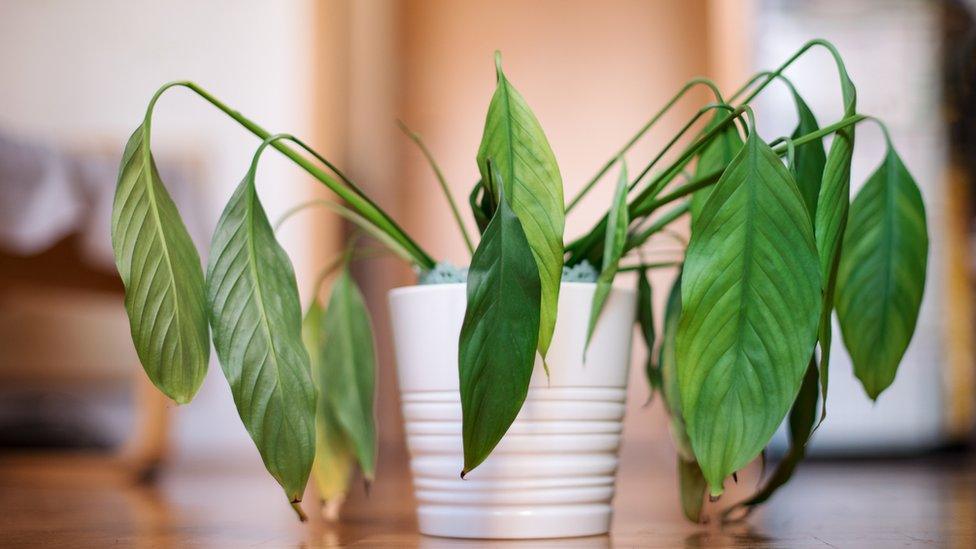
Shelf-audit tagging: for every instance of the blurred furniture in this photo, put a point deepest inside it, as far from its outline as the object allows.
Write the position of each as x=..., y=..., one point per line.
x=70, y=383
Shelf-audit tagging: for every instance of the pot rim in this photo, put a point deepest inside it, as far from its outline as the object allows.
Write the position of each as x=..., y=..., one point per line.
x=418, y=288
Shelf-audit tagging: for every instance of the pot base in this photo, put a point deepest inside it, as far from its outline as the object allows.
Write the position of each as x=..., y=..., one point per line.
x=535, y=522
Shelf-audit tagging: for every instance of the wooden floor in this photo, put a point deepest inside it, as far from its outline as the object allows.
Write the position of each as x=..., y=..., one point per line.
x=928, y=502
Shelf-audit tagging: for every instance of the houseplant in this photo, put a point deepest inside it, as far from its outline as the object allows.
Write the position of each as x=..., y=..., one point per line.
x=775, y=246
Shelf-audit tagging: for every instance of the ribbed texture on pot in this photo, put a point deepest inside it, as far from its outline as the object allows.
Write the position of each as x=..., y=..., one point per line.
x=552, y=475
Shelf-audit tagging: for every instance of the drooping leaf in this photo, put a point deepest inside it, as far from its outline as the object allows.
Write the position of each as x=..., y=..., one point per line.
x=833, y=203
x=715, y=156
x=257, y=324
x=803, y=415
x=349, y=369
x=522, y=158
x=751, y=299
x=692, y=486
x=645, y=320
x=499, y=335
x=160, y=268
x=810, y=158
x=882, y=273
x=613, y=250
x=334, y=458
x=333, y=465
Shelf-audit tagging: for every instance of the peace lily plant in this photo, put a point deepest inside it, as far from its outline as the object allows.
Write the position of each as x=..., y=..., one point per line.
x=776, y=245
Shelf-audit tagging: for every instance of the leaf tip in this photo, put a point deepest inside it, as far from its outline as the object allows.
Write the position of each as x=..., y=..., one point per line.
x=463, y=472
x=181, y=398
x=498, y=64
x=296, y=505
x=872, y=393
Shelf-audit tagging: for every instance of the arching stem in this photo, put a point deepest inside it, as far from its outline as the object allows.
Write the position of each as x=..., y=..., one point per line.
x=641, y=132
x=349, y=192
x=415, y=137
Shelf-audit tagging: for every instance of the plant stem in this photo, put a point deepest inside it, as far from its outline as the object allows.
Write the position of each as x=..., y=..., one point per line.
x=642, y=266
x=645, y=202
x=415, y=137
x=706, y=180
x=638, y=239
x=701, y=112
x=349, y=192
x=642, y=204
x=584, y=246
x=822, y=132
x=340, y=260
x=640, y=133
x=771, y=75
x=354, y=218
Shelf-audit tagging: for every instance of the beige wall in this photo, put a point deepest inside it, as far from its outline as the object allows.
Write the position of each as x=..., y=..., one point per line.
x=592, y=72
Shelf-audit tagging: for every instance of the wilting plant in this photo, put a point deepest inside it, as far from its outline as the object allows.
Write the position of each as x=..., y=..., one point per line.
x=775, y=247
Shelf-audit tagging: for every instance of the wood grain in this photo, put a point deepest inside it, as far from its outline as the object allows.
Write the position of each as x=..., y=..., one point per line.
x=864, y=504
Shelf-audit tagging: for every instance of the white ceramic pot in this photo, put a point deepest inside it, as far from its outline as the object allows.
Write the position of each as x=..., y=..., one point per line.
x=552, y=475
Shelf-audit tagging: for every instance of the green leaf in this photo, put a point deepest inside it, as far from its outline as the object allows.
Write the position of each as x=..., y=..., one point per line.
x=499, y=335
x=521, y=157
x=809, y=158
x=160, y=268
x=667, y=358
x=349, y=369
x=613, y=250
x=715, y=156
x=803, y=415
x=334, y=459
x=645, y=319
x=882, y=273
x=833, y=203
x=692, y=486
x=691, y=483
x=256, y=319
x=481, y=208
x=750, y=303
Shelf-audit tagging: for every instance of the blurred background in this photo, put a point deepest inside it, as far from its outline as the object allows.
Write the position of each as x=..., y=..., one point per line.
x=76, y=77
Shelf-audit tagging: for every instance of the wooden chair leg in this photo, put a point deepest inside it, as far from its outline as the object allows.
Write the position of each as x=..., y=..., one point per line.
x=144, y=451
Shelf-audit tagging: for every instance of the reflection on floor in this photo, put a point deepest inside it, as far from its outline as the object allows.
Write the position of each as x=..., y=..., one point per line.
x=82, y=503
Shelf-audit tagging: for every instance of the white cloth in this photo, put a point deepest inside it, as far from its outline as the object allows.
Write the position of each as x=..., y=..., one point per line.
x=47, y=194
x=39, y=204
